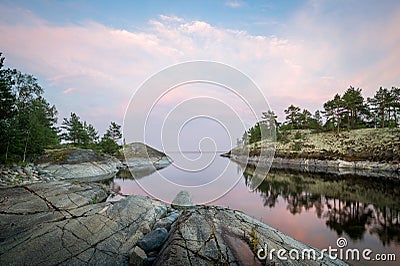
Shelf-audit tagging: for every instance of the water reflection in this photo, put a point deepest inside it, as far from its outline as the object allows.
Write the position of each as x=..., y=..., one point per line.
x=126, y=174
x=348, y=204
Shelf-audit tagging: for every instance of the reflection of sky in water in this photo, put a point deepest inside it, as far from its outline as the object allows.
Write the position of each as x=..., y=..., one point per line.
x=304, y=225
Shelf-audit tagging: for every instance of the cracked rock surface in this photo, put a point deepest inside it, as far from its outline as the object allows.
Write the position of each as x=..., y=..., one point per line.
x=67, y=223
x=218, y=236
x=64, y=223
x=78, y=163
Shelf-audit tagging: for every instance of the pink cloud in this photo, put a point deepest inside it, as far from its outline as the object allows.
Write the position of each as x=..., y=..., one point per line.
x=313, y=61
x=68, y=90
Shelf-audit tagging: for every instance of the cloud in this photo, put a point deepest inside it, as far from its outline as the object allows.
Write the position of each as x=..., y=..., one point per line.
x=319, y=54
x=68, y=91
x=171, y=18
x=234, y=4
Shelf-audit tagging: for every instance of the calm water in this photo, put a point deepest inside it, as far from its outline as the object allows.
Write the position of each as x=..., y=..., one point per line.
x=314, y=209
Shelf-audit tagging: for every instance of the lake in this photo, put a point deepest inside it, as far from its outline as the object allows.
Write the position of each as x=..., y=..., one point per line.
x=314, y=209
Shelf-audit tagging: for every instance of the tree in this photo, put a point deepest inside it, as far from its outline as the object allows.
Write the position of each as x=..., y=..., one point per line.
x=269, y=118
x=395, y=104
x=316, y=122
x=380, y=106
x=353, y=103
x=333, y=112
x=109, y=141
x=7, y=110
x=114, y=132
x=41, y=127
x=74, y=131
x=255, y=133
x=269, y=125
x=27, y=120
x=304, y=119
x=93, y=135
x=292, y=116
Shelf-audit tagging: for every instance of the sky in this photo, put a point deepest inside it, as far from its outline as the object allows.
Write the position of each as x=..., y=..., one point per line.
x=92, y=56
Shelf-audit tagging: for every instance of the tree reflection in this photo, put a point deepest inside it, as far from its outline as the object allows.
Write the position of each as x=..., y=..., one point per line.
x=349, y=204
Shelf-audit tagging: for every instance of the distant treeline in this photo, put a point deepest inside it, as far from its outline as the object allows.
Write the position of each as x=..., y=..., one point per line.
x=344, y=112
x=28, y=123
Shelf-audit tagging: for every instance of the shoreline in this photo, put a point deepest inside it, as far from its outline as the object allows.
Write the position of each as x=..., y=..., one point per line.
x=336, y=167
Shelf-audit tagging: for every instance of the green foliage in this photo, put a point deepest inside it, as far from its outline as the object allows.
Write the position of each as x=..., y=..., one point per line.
x=349, y=111
x=385, y=107
x=292, y=116
x=95, y=199
x=79, y=134
x=27, y=120
x=109, y=141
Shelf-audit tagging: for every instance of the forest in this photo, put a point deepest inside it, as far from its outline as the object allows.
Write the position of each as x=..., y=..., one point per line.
x=28, y=122
x=344, y=112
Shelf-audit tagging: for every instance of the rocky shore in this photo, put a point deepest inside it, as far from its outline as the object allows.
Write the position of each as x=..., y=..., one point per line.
x=83, y=164
x=336, y=167
x=71, y=223
x=22, y=175
x=364, y=152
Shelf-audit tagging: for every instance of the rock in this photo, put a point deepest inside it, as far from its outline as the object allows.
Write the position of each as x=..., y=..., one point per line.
x=182, y=201
x=139, y=156
x=28, y=170
x=40, y=171
x=58, y=223
x=16, y=168
x=78, y=163
x=218, y=236
x=138, y=257
x=20, y=172
x=166, y=222
x=153, y=240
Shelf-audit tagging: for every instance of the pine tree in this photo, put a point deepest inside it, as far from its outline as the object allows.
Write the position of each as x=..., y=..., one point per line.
x=109, y=141
x=74, y=131
x=292, y=116
x=380, y=104
x=353, y=103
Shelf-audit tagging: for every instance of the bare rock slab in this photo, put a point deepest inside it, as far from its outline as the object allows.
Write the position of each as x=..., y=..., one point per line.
x=78, y=164
x=69, y=223
x=218, y=236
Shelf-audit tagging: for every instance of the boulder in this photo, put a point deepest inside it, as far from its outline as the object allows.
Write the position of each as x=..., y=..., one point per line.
x=139, y=155
x=182, y=201
x=153, y=240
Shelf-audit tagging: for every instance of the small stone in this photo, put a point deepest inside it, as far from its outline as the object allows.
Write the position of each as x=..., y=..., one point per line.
x=153, y=240
x=182, y=201
x=138, y=257
x=20, y=172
